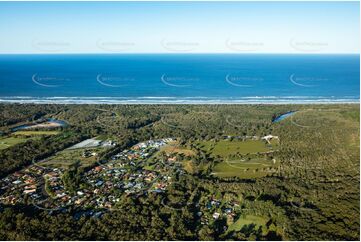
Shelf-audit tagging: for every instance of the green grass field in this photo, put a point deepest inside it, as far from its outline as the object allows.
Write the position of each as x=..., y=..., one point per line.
x=174, y=147
x=254, y=168
x=225, y=148
x=10, y=141
x=250, y=166
x=247, y=220
x=67, y=157
x=21, y=137
x=30, y=133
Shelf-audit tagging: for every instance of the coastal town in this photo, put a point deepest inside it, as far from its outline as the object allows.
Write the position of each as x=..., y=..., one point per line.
x=148, y=167
x=143, y=169
x=101, y=187
x=137, y=171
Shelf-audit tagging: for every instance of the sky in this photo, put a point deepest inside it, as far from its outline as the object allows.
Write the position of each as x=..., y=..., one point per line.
x=179, y=27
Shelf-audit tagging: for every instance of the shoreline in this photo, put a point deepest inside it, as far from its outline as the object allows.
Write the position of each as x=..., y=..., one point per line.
x=271, y=100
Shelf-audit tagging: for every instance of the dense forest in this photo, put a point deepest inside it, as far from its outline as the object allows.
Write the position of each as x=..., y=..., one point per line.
x=314, y=195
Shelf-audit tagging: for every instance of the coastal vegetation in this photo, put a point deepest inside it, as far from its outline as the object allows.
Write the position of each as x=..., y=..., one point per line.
x=227, y=173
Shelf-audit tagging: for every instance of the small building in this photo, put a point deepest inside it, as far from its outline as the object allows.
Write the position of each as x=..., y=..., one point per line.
x=29, y=191
x=216, y=215
x=269, y=137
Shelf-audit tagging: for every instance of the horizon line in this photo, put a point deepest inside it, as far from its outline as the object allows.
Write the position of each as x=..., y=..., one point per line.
x=185, y=53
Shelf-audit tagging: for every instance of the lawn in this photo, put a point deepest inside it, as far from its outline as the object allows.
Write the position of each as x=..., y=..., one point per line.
x=254, y=168
x=174, y=147
x=224, y=148
x=21, y=137
x=247, y=220
x=67, y=157
x=10, y=141
x=30, y=133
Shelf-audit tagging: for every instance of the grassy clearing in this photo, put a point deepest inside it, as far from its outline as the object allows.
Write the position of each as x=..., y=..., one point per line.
x=247, y=220
x=21, y=137
x=31, y=133
x=225, y=148
x=10, y=141
x=67, y=157
x=250, y=166
x=174, y=147
x=254, y=168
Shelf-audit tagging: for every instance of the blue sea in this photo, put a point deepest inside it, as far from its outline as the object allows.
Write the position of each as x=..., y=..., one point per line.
x=180, y=78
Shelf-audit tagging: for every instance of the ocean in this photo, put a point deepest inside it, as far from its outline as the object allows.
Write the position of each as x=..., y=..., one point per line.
x=180, y=78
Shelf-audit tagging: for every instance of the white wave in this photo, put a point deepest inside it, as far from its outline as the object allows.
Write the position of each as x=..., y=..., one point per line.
x=182, y=100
